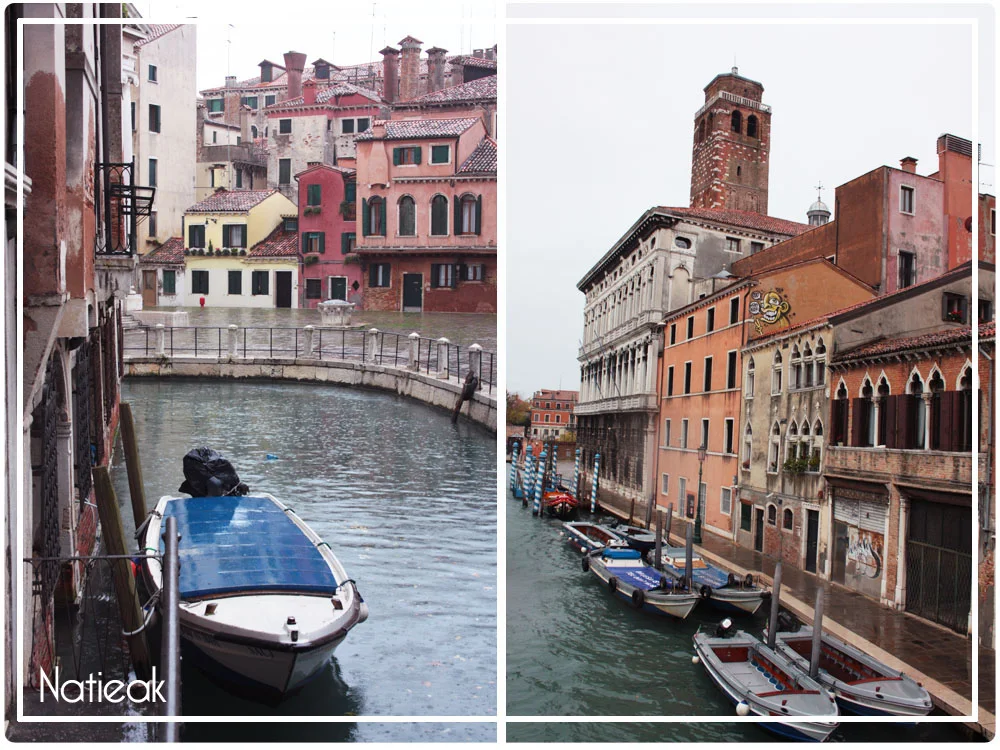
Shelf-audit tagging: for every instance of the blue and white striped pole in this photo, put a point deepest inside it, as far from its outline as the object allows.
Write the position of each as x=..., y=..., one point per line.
x=539, y=483
x=576, y=476
x=513, y=467
x=593, y=484
x=526, y=475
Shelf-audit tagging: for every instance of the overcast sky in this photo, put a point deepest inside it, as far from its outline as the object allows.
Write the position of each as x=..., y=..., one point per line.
x=599, y=128
x=343, y=33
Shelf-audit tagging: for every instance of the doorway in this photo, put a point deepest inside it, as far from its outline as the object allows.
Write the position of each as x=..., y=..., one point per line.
x=282, y=288
x=149, y=289
x=413, y=292
x=758, y=529
x=338, y=287
x=812, y=539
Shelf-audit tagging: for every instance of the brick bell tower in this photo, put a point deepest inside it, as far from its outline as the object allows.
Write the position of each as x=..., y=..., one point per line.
x=732, y=138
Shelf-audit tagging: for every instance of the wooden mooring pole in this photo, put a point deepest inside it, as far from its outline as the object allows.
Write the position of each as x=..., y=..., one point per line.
x=129, y=605
x=135, y=487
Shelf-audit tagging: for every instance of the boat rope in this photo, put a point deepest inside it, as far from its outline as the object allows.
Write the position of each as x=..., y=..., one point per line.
x=323, y=544
x=289, y=510
x=142, y=527
x=149, y=616
x=349, y=580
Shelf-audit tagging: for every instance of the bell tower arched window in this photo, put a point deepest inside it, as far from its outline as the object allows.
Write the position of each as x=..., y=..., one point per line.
x=752, y=126
x=736, y=121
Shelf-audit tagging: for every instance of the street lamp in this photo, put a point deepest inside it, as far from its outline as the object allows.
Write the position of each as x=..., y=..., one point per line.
x=702, y=450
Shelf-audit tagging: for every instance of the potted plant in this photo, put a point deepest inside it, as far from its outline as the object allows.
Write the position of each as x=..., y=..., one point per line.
x=746, y=465
x=346, y=208
x=954, y=316
x=243, y=251
x=352, y=258
x=211, y=248
x=311, y=258
x=814, y=463
x=225, y=251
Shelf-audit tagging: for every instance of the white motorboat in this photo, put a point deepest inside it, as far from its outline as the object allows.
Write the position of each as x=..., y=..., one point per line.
x=629, y=578
x=263, y=600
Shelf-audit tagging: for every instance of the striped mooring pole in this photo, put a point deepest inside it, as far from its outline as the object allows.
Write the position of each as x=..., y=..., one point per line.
x=527, y=476
x=593, y=484
x=576, y=476
x=536, y=510
x=513, y=467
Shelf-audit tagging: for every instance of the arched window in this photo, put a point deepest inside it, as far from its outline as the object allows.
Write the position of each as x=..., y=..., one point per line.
x=866, y=415
x=819, y=366
x=839, y=415
x=749, y=378
x=469, y=213
x=963, y=440
x=772, y=515
x=439, y=216
x=917, y=415
x=747, y=446
x=773, y=447
x=253, y=132
x=816, y=457
x=795, y=380
x=792, y=441
x=807, y=366
x=752, y=126
x=701, y=131
x=737, y=121
x=407, y=217
x=882, y=397
x=939, y=441
x=788, y=519
x=776, y=372
x=374, y=221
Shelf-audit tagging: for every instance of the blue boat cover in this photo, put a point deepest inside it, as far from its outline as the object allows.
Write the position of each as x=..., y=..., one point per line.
x=642, y=578
x=709, y=575
x=622, y=554
x=244, y=544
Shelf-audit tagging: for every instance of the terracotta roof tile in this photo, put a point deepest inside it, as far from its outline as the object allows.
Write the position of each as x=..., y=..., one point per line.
x=322, y=97
x=171, y=251
x=483, y=160
x=909, y=343
x=745, y=219
x=278, y=244
x=230, y=200
x=156, y=30
x=481, y=88
x=396, y=130
x=473, y=62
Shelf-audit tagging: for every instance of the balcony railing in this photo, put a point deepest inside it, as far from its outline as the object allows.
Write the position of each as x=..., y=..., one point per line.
x=121, y=205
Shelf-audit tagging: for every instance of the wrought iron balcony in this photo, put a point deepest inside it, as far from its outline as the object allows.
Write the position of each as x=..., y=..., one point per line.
x=121, y=205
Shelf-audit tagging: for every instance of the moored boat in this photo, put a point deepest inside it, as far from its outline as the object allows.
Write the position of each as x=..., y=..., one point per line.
x=860, y=683
x=763, y=682
x=637, y=538
x=263, y=600
x=587, y=537
x=559, y=503
x=724, y=591
x=628, y=577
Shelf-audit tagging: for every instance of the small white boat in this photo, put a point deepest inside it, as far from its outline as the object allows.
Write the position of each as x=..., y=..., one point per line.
x=628, y=577
x=860, y=683
x=724, y=591
x=762, y=682
x=263, y=600
x=587, y=537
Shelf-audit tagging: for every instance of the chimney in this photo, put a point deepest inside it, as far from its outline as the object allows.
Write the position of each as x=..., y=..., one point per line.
x=491, y=53
x=478, y=53
x=230, y=82
x=457, y=72
x=908, y=164
x=435, y=69
x=295, y=63
x=245, y=114
x=390, y=74
x=378, y=130
x=409, y=74
x=309, y=91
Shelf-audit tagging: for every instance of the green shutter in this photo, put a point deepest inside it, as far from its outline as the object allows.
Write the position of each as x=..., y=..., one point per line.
x=416, y=157
x=371, y=275
x=479, y=214
x=364, y=217
x=456, y=228
x=395, y=157
x=351, y=192
x=305, y=242
x=381, y=215
x=344, y=243
x=322, y=241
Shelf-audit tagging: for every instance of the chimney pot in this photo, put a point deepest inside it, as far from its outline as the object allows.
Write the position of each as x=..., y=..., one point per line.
x=309, y=91
x=230, y=81
x=295, y=63
x=390, y=73
x=409, y=74
x=908, y=164
x=435, y=69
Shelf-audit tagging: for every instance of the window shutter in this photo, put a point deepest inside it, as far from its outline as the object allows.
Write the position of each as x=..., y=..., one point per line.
x=857, y=420
x=964, y=307
x=416, y=154
x=365, y=216
x=322, y=242
x=345, y=243
x=889, y=420
x=454, y=275
x=905, y=420
x=944, y=307
x=395, y=157
x=381, y=215
x=947, y=426
x=372, y=277
x=456, y=227
x=479, y=214
x=305, y=242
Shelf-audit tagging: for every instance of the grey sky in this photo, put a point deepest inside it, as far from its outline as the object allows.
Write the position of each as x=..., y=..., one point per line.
x=600, y=122
x=341, y=33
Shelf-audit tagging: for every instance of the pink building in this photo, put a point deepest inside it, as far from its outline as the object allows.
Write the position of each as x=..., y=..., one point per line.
x=428, y=225
x=327, y=224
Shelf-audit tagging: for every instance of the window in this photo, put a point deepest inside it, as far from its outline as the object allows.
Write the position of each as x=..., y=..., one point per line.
x=702, y=493
x=314, y=288
x=684, y=433
x=733, y=244
x=373, y=217
x=773, y=449
x=670, y=380
x=196, y=235
x=819, y=365
x=776, y=374
x=363, y=124
x=750, y=379
x=234, y=235
x=285, y=126
x=236, y=282
x=406, y=155
x=314, y=195
x=439, y=216
x=690, y=327
x=664, y=484
x=905, y=199
x=746, y=516
x=152, y=224
x=477, y=272
x=731, y=370
x=443, y=275
x=284, y=171
x=347, y=126
x=151, y=76
x=682, y=242
x=169, y=282
x=707, y=385
x=673, y=334
x=265, y=73
x=239, y=178
x=323, y=71
x=916, y=415
x=216, y=105
x=734, y=310
x=787, y=519
x=152, y=172
x=440, y=154
x=469, y=214
x=736, y=121
x=314, y=242
x=348, y=242
x=726, y=501
x=955, y=308
x=756, y=247
x=546, y=417
x=772, y=515
x=154, y=118
x=407, y=217
x=687, y=377
x=728, y=442
x=666, y=433
x=704, y=433
x=985, y=311
x=290, y=224
x=270, y=99
x=682, y=493
x=378, y=275
x=993, y=221
x=249, y=101
x=253, y=132
x=199, y=282
x=710, y=320
x=752, y=126
x=259, y=282
x=133, y=116
x=351, y=191
x=215, y=139
x=907, y=269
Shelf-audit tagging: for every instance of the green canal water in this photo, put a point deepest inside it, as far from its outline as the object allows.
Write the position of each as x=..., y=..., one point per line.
x=406, y=500
x=574, y=650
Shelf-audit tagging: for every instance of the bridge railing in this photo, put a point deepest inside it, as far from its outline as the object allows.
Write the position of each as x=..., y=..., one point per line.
x=435, y=357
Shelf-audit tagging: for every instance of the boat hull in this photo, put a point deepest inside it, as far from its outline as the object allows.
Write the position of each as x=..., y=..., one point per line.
x=736, y=602
x=581, y=536
x=678, y=606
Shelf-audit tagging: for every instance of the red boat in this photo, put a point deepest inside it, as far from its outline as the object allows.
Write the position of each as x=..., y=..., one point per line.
x=558, y=503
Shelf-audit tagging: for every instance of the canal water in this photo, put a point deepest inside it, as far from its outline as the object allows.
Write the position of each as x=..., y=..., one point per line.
x=574, y=650
x=406, y=500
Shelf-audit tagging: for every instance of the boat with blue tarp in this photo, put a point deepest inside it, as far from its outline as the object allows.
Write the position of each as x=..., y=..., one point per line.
x=587, y=537
x=725, y=591
x=626, y=575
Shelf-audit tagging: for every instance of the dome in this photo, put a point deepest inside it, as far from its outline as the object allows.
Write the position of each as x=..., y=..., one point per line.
x=819, y=206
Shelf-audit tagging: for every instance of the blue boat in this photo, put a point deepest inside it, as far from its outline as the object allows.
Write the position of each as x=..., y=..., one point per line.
x=626, y=575
x=722, y=590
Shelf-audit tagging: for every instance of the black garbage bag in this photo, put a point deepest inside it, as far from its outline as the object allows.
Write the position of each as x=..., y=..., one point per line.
x=208, y=474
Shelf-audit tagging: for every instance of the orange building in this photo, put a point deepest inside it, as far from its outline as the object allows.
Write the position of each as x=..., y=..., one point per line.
x=552, y=413
x=700, y=381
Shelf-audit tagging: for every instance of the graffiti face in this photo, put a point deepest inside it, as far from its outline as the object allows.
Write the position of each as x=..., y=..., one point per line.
x=767, y=309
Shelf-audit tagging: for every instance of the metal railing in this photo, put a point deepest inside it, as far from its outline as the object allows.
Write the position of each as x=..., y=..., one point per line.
x=415, y=353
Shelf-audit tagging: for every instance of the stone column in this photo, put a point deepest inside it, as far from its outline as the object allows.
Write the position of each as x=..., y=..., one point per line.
x=372, y=344
x=476, y=362
x=161, y=350
x=875, y=411
x=442, y=356
x=309, y=331
x=414, y=363
x=926, y=397
x=650, y=366
x=233, y=330
x=904, y=511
